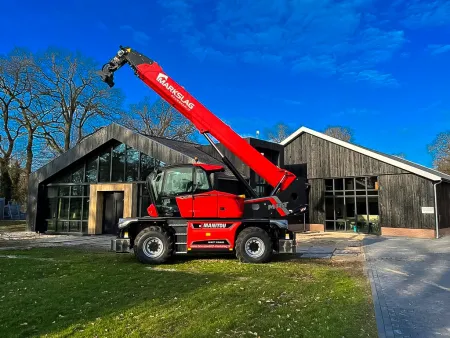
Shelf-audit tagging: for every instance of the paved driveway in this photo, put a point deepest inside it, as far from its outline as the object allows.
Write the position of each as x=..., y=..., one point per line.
x=411, y=285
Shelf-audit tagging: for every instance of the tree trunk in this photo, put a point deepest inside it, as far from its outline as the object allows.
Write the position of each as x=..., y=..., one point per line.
x=67, y=134
x=29, y=149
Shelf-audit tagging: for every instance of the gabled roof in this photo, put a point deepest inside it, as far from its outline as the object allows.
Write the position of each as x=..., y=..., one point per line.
x=180, y=152
x=398, y=162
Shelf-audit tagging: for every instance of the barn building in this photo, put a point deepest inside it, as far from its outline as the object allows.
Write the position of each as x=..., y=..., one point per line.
x=352, y=188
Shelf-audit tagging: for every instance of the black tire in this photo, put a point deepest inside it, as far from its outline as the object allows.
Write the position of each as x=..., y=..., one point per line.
x=258, y=236
x=153, y=245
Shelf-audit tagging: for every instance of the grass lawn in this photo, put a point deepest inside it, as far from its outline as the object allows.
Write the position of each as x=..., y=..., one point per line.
x=13, y=226
x=58, y=292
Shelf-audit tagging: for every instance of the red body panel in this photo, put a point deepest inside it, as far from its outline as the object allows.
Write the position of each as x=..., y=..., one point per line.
x=211, y=204
x=211, y=235
x=151, y=210
x=210, y=168
x=205, y=121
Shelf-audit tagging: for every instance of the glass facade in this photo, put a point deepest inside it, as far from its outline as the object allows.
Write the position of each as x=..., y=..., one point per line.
x=259, y=184
x=351, y=204
x=68, y=194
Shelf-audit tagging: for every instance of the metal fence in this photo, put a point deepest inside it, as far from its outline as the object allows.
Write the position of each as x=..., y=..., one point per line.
x=10, y=211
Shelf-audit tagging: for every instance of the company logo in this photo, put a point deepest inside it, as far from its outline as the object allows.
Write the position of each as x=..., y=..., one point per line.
x=214, y=225
x=162, y=79
x=211, y=225
x=278, y=205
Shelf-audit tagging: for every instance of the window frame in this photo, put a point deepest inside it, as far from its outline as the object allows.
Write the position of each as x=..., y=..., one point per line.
x=345, y=193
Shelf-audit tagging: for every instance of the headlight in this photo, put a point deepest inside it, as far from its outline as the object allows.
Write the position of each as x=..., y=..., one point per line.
x=123, y=222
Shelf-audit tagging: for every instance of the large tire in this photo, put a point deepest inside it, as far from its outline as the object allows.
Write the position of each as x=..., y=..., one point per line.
x=153, y=245
x=254, y=245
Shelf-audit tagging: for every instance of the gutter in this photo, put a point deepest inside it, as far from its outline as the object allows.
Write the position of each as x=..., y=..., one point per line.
x=436, y=208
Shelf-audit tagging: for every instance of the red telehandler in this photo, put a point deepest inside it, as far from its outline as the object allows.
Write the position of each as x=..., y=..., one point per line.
x=186, y=213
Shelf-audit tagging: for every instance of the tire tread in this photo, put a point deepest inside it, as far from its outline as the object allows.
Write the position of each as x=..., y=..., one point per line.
x=240, y=252
x=169, y=239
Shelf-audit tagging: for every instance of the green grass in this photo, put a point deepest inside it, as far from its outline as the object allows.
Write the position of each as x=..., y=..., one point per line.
x=13, y=226
x=58, y=292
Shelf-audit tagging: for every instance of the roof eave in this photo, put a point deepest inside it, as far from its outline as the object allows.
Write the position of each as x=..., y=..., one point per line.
x=363, y=151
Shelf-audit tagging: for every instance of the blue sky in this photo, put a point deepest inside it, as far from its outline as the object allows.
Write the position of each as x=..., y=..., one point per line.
x=378, y=67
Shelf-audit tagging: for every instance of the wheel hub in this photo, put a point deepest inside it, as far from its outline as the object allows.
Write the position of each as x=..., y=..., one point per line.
x=153, y=247
x=254, y=247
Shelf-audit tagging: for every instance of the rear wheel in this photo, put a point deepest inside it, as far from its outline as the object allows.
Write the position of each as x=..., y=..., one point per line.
x=254, y=245
x=153, y=245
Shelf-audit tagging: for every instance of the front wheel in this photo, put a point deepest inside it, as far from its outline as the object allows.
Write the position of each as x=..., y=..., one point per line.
x=254, y=245
x=153, y=245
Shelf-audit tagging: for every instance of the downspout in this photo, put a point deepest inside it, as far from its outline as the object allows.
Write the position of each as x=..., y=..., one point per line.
x=436, y=208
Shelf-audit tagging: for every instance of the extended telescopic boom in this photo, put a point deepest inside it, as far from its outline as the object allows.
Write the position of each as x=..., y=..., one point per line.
x=204, y=120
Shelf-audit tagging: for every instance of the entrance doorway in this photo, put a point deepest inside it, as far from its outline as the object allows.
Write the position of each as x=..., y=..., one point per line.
x=112, y=211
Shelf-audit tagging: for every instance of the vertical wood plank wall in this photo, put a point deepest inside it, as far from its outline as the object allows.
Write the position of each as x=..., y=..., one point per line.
x=443, y=201
x=401, y=197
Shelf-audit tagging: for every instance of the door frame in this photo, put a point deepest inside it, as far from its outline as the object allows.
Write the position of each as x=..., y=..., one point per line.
x=130, y=190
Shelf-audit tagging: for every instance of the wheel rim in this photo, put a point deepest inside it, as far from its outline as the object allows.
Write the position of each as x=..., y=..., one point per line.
x=153, y=247
x=254, y=247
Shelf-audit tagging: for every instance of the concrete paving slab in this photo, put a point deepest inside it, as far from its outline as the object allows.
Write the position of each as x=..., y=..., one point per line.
x=411, y=278
x=338, y=252
x=316, y=255
x=322, y=250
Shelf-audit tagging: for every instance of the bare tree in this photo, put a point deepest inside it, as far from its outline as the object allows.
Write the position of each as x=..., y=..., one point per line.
x=341, y=133
x=80, y=101
x=440, y=151
x=279, y=132
x=158, y=119
x=13, y=84
x=25, y=109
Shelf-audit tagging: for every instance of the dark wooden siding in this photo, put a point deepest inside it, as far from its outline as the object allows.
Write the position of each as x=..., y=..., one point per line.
x=326, y=159
x=443, y=207
x=316, y=201
x=240, y=166
x=273, y=151
x=401, y=198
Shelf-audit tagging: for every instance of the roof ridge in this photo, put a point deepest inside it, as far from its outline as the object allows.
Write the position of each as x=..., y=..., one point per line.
x=168, y=138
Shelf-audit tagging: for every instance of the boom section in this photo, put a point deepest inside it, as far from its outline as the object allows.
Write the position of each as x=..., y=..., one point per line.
x=152, y=74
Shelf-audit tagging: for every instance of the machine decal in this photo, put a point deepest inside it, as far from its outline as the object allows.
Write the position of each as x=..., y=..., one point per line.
x=162, y=78
x=275, y=203
x=211, y=225
x=213, y=244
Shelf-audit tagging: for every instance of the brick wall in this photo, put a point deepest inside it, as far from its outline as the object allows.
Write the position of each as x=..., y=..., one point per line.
x=406, y=232
x=309, y=227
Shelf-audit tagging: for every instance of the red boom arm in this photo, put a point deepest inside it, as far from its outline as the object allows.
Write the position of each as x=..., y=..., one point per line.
x=203, y=119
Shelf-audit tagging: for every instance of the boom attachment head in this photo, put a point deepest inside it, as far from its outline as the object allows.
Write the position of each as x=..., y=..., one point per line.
x=123, y=56
x=108, y=69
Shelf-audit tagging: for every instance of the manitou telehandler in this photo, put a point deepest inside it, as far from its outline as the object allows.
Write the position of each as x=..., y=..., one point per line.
x=186, y=213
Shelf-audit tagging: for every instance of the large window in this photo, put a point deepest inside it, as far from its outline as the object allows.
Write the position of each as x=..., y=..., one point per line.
x=67, y=208
x=351, y=204
x=68, y=194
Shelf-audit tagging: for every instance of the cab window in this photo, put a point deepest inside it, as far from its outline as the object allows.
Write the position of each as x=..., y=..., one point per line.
x=202, y=183
x=177, y=181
